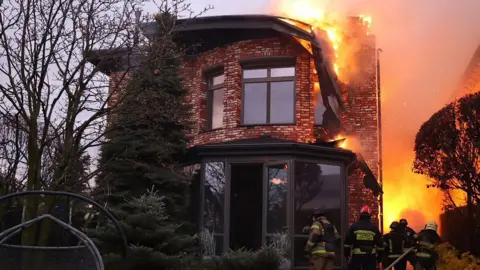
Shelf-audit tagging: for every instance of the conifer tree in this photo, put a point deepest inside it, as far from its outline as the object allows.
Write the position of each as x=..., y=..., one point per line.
x=147, y=136
x=143, y=150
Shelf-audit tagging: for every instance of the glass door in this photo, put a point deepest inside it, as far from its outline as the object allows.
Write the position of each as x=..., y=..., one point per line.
x=275, y=187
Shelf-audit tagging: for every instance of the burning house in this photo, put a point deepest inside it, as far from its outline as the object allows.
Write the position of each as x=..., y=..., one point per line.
x=268, y=107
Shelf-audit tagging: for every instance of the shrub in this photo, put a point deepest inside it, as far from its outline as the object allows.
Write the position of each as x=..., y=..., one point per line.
x=267, y=258
x=451, y=259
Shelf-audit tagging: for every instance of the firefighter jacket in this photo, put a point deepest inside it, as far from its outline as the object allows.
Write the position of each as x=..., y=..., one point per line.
x=394, y=244
x=363, y=238
x=427, y=240
x=322, y=238
x=410, y=233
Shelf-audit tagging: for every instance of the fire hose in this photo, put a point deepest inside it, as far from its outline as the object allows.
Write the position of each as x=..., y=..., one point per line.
x=400, y=258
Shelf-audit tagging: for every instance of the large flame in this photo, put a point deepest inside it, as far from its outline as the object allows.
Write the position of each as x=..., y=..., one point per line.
x=296, y=12
x=416, y=204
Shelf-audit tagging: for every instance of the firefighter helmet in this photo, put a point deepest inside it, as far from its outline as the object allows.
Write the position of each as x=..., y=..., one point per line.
x=404, y=222
x=394, y=225
x=431, y=225
x=317, y=212
x=365, y=211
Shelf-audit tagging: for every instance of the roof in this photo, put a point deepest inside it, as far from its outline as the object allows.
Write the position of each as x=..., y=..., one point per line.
x=214, y=31
x=267, y=145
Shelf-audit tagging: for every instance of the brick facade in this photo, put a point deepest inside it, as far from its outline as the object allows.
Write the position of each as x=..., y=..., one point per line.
x=229, y=56
x=360, y=120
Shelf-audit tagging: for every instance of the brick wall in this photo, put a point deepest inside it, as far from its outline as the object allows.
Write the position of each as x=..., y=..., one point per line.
x=360, y=120
x=229, y=56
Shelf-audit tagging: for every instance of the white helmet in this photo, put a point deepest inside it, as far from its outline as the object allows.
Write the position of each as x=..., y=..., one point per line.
x=431, y=225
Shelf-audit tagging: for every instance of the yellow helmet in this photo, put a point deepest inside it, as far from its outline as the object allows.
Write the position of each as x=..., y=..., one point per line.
x=431, y=225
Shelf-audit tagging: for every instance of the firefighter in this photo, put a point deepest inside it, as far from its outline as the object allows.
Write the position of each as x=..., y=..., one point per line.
x=394, y=244
x=363, y=245
x=322, y=241
x=409, y=232
x=426, y=241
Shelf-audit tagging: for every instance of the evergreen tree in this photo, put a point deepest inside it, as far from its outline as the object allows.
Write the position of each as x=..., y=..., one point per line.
x=147, y=135
x=155, y=241
x=144, y=146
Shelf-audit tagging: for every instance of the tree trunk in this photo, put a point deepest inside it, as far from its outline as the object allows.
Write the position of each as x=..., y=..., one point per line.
x=470, y=218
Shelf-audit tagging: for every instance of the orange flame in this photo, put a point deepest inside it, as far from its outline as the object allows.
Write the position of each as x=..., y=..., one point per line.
x=315, y=18
x=401, y=200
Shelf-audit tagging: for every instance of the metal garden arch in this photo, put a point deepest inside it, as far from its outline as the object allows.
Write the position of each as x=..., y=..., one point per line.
x=82, y=237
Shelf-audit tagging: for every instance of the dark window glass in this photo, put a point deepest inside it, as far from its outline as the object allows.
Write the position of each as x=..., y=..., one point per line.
x=216, y=92
x=255, y=73
x=255, y=103
x=218, y=244
x=282, y=102
x=316, y=186
x=299, y=259
x=214, y=195
x=277, y=198
x=269, y=96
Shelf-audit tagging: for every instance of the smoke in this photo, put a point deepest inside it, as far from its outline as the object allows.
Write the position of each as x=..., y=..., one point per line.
x=426, y=47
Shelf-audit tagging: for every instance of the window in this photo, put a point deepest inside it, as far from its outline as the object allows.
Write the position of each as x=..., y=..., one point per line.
x=269, y=96
x=215, y=94
x=214, y=202
x=316, y=186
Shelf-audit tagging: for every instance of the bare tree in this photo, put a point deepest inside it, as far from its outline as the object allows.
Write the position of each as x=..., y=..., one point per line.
x=48, y=84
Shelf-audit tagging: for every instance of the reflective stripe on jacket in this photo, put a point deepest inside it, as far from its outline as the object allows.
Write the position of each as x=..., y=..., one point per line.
x=314, y=243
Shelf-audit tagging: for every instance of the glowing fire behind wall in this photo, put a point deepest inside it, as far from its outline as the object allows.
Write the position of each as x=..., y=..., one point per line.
x=410, y=58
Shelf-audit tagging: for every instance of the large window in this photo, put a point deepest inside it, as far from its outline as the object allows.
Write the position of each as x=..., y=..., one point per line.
x=316, y=186
x=215, y=94
x=269, y=96
x=214, y=194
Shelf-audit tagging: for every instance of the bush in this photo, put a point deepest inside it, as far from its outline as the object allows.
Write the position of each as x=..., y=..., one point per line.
x=267, y=258
x=451, y=259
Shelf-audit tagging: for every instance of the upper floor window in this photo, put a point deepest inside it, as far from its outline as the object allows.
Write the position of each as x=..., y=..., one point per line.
x=269, y=96
x=215, y=93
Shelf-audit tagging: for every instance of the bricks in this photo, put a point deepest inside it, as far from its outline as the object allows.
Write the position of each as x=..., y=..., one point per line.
x=360, y=121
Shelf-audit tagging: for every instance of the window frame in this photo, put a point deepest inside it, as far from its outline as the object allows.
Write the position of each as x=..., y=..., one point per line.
x=269, y=64
x=210, y=91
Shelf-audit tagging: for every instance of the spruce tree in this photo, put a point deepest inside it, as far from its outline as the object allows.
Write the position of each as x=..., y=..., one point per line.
x=155, y=242
x=147, y=136
x=144, y=146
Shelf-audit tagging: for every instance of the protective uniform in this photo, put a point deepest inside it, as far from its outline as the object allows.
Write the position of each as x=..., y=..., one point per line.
x=322, y=242
x=394, y=244
x=426, y=241
x=409, y=232
x=363, y=243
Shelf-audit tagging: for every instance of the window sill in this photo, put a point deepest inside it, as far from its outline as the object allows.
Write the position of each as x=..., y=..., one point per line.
x=209, y=130
x=263, y=125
